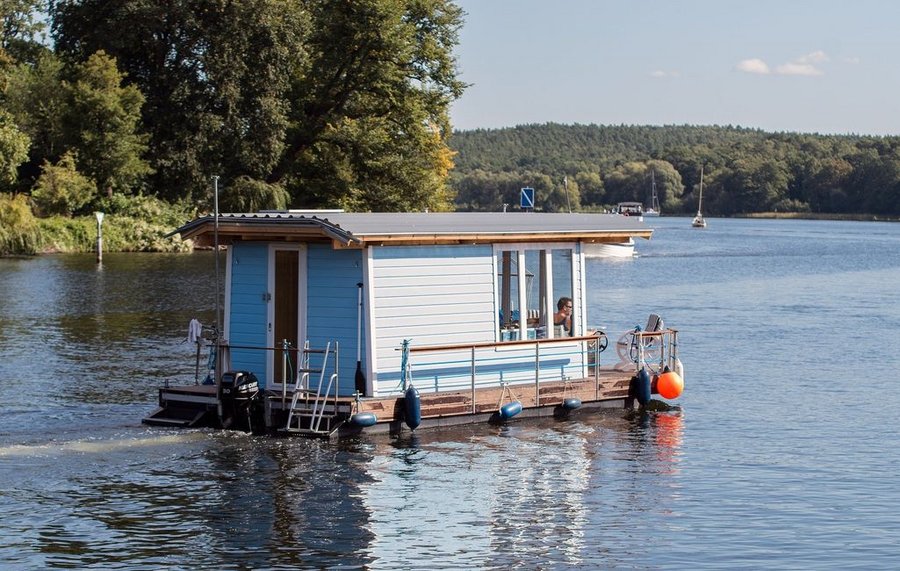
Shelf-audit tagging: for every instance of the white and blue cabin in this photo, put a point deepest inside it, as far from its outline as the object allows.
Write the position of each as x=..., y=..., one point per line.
x=473, y=294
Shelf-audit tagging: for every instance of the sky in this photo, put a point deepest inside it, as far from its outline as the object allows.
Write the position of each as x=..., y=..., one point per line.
x=810, y=66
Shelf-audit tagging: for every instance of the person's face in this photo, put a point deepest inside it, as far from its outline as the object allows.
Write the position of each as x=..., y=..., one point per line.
x=567, y=309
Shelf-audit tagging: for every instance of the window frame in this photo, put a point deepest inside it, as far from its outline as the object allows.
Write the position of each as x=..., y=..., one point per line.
x=545, y=274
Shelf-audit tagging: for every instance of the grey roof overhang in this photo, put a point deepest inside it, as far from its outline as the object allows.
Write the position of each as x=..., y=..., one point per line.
x=357, y=230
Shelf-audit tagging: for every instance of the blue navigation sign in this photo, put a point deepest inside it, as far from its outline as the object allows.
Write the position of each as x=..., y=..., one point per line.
x=527, y=198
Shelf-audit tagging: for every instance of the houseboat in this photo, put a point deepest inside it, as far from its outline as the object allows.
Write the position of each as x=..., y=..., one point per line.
x=335, y=323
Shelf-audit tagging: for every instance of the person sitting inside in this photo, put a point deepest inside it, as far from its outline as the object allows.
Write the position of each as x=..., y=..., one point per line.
x=563, y=315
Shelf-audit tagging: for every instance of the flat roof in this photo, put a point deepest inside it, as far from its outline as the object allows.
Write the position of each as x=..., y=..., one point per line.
x=358, y=230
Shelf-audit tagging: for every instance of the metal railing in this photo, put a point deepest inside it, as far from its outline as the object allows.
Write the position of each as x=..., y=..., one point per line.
x=652, y=349
x=588, y=351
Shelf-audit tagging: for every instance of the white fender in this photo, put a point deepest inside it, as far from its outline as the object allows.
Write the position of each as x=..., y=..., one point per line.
x=679, y=368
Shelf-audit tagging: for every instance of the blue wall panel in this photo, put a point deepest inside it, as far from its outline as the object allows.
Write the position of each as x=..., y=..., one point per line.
x=249, y=277
x=332, y=306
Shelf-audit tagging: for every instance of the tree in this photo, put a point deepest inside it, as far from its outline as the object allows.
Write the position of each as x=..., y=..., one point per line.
x=590, y=185
x=669, y=188
x=13, y=149
x=372, y=122
x=18, y=228
x=249, y=195
x=22, y=28
x=36, y=98
x=753, y=183
x=825, y=181
x=488, y=191
x=341, y=103
x=61, y=189
x=875, y=181
x=102, y=124
x=215, y=75
x=628, y=182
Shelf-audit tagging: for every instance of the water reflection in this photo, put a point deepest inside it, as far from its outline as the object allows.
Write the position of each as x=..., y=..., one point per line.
x=552, y=493
x=77, y=332
x=669, y=432
x=512, y=494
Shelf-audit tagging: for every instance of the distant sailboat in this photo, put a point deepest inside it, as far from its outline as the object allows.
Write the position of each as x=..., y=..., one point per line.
x=654, y=200
x=699, y=221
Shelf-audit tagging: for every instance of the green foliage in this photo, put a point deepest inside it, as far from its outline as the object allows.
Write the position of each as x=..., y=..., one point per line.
x=216, y=77
x=21, y=27
x=249, y=195
x=102, y=124
x=36, y=98
x=64, y=234
x=13, y=149
x=61, y=189
x=92, y=115
x=125, y=234
x=135, y=206
x=372, y=122
x=745, y=170
x=131, y=224
x=19, y=234
x=339, y=103
x=591, y=187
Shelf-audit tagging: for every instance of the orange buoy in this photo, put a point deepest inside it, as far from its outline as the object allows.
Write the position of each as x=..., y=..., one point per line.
x=670, y=385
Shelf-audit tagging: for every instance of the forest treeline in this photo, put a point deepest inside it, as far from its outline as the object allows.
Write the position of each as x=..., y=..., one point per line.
x=745, y=171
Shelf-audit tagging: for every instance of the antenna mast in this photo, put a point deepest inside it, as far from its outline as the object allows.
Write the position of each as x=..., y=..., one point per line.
x=216, y=246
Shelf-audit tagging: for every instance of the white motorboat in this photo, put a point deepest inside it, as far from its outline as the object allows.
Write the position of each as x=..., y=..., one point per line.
x=610, y=250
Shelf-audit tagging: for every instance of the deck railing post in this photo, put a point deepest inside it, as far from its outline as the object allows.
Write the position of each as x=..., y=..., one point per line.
x=473, y=379
x=337, y=375
x=640, y=338
x=284, y=381
x=673, y=354
x=537, y=373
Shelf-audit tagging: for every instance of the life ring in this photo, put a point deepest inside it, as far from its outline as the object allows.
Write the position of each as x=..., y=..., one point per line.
x=627, y=351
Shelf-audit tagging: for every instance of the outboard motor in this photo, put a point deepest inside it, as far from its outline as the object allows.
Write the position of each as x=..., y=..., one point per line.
x=238, y=393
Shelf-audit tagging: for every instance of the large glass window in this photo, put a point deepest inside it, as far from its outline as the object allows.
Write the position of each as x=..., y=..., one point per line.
x=532, y=286
x=563, y=298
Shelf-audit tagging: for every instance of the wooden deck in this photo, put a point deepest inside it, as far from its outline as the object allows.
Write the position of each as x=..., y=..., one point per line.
x=611, y=385
x=610, y=389
x=195, y=405
x=184, y=406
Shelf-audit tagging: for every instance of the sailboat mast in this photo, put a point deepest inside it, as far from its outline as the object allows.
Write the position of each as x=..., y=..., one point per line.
x=700, y=202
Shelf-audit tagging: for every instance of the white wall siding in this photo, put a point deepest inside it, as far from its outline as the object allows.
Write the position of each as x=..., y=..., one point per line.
x=433, y=295
x=445, y=295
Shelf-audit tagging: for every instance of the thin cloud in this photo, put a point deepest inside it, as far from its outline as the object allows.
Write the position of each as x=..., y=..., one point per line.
x=817, y=56
x=754, y=65
x=805, y=65
x=661, y=73
x=795, y=68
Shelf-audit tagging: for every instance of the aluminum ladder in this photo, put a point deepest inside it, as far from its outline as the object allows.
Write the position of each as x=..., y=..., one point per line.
x=307, y=413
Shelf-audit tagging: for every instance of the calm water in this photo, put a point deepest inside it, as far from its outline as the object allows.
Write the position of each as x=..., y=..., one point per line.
x=781, y=454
